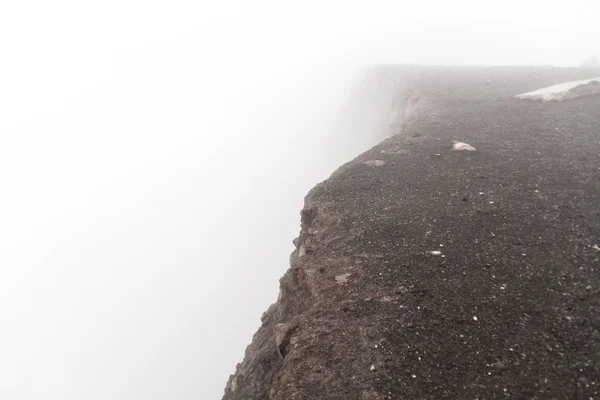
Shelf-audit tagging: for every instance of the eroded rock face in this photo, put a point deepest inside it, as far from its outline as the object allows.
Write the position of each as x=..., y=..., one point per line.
x=278, y=334
x=443, y=274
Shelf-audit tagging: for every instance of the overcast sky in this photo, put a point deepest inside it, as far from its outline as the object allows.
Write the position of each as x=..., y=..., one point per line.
x=154, y=159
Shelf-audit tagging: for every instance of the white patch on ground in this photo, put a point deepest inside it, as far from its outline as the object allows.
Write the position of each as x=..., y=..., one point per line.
x=462, y=146
x=375, y=163
x=435, y=252
x=564, y=91
x=342, y=279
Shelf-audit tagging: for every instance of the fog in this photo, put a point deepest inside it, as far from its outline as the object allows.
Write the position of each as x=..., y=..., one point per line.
x=155, y=156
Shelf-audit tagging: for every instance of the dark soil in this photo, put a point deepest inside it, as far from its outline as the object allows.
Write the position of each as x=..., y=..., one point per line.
x=509, y=308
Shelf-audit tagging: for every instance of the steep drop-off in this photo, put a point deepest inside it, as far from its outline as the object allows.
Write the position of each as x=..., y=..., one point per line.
x=426, y=273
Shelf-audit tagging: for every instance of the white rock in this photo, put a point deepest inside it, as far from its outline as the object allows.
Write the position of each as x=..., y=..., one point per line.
x=564, y=91
x=342, y=279
x=375, y=163
x=435, y=252
x=462, y=146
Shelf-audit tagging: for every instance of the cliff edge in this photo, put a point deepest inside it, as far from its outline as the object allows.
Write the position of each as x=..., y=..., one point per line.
x=423, y=272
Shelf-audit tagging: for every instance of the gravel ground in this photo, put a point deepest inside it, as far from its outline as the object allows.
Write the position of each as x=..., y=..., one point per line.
x=427, y=273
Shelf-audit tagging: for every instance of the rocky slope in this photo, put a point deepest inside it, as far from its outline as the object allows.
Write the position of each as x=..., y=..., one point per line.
x=426, y=273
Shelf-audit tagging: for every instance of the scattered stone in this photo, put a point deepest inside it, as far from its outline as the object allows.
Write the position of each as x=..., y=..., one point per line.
x=475, y=318
x=375, y=163
x=435, y=252
x=498, y=365
x=342, y=279
x=373, y=368
x=462, y=146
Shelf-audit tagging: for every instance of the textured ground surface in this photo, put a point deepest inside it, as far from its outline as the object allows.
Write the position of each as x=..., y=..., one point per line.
x=426, y=273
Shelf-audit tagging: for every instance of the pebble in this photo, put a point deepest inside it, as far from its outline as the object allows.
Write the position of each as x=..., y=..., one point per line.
x=375, y=163
x=498, y=365
x=462, y=146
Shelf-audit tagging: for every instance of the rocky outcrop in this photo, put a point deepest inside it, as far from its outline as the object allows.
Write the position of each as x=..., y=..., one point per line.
x=426, y=272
